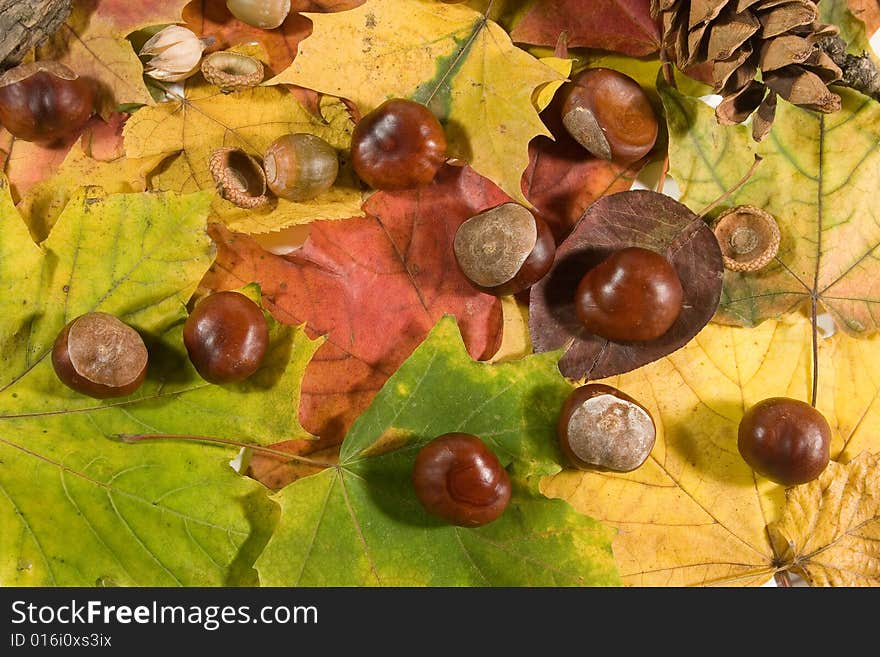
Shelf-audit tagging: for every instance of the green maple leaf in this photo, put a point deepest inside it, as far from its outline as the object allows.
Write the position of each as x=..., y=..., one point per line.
x=76, y=506
x=818, y=178
x=359, y=523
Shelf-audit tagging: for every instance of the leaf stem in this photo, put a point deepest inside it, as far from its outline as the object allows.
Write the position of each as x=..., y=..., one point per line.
x=815, y=385
x=141, y=437
x=782, y=579
x=733, y=190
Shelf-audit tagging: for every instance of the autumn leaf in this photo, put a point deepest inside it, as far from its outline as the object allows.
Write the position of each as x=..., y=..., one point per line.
x=374, y=286
x=77, y=506
x=214, y=20
x=93, y=43
x=867, y=11
x=563, y=179
x=26, y=163
x=638, y=218
x=620, y=25
x=830, y=526
x=44, y=202
x=695, y=513
x=360, y=524
x=449, y=57
x=190, y=127
x=818, y=178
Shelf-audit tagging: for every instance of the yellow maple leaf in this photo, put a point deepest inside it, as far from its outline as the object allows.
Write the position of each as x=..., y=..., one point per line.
x=449, y=57
x=695, y=513
x=831, y=526
x=190, y=127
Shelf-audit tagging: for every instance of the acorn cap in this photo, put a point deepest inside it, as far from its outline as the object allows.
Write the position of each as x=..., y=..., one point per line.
x=239, y=177
x=232, y=71
x=748, y=236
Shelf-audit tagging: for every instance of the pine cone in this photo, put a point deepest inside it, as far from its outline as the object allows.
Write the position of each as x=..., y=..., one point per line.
x=740, y=38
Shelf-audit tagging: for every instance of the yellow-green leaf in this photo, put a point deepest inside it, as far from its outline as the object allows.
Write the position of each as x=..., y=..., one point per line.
x=44, y=202
x=831, y=526
x=818, y=178
x=449, y=57
x=190, y=127
x=78, y=507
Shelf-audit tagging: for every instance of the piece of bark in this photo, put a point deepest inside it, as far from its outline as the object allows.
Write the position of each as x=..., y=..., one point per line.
x=25, y=24
x=858, y=71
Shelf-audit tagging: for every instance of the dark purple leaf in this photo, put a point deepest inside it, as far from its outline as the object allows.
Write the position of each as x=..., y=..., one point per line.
x=634, y=218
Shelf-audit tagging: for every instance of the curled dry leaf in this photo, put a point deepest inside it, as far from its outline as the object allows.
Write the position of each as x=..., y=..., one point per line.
x=620, y=25
x=635, y=218
x=830, y=527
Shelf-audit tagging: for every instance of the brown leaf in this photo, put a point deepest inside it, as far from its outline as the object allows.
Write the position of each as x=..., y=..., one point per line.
x=636, y=218
x=620, y=25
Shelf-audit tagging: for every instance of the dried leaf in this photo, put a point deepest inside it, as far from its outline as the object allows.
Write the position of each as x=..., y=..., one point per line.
x=831, y=526
x=636, y=218
x=620, y=25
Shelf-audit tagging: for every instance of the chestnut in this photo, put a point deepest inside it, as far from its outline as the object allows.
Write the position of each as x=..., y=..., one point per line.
x=398, y=145
x=44, y=101
x=265, y=14
x=634, y=295
x=504, y=250
x=610, y=115
x=786, y=440
x=300, y=166
x=459, y=479
x=98, y=355
x=601, y=427
x=226, y=337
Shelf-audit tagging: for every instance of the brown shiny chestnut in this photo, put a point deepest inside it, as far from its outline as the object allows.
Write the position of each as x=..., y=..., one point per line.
x=504, y=250
x=634, y=295
x=300, y=166
x=786, y=440
x=44, y=102
x=399, y=145
x=98, y=355
x=609, y=114
x=459, y=479
x=226, y=337
x=601, y=427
